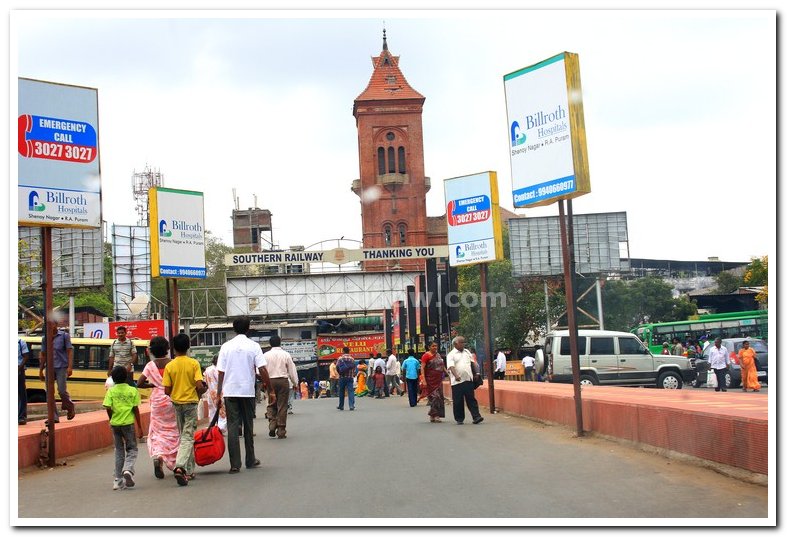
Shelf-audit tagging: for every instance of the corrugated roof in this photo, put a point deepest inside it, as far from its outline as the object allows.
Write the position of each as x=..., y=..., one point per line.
x=387, y=81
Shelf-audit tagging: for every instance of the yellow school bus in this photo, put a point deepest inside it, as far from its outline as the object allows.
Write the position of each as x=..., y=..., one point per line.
x=91, y=360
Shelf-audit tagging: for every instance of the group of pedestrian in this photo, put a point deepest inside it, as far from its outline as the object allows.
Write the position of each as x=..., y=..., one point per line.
x=690, y=349
x=176, y=388
x=423, y=379
x=177, y=385
x=719, y=361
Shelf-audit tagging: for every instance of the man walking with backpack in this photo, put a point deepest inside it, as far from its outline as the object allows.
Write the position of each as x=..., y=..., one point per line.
x=346, y=368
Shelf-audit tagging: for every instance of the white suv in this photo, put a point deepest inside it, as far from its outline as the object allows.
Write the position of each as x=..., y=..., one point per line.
x=614, y=358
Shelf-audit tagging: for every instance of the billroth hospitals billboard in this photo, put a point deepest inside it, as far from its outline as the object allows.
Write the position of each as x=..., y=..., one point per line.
x=177, y=233
x=57, y=153
x=546, y=132
x=473, y=213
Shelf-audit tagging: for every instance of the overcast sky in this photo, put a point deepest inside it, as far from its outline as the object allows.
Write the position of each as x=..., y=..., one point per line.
x=680, y=111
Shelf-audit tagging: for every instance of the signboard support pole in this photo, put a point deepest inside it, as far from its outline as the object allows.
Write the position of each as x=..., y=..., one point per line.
x=49, y=323
x=487, y=335
x=71, y=316
x=600, y=305
x=546, y=305
x=175, y=308
x=571, y=305
x=169, y=318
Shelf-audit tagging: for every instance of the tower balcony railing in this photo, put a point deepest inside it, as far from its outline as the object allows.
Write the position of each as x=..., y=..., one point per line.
x=393, y=180
x=390, y=181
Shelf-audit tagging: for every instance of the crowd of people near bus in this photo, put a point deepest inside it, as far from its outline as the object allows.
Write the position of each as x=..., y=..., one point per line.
x=690, y=348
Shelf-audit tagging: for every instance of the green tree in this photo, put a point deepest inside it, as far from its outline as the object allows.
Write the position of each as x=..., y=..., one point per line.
x=628, y=303
x=517, y=304
x=756, y=275
x=727, y=282
x=215, y=250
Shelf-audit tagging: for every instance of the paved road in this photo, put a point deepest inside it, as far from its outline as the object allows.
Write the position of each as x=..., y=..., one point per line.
x=386, y=460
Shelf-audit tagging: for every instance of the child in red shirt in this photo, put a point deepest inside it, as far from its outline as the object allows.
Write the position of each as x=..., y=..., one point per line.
x=379, y=382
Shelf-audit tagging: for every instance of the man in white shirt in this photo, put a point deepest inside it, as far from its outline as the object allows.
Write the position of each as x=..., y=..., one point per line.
x=500, y=365
x=282, y=372
x=458, y=362
x=529, y=363
x=239, y=359
x=719, y=361
x=392, y=370
x=380, y=362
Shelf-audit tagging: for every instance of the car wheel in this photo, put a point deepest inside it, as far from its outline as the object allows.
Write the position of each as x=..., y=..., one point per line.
x=588, y=380
x=669, y=380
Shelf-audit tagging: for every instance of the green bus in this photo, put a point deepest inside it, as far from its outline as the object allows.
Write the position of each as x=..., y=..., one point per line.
x=726, y=325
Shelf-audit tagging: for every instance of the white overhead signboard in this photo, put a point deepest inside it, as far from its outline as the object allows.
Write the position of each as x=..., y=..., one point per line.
x=546, y=132
x=473, y=214
x=57, y=153
x=177, y=233
x=337, y=256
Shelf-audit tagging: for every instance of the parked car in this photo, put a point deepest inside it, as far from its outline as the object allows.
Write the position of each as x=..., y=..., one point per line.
x=733, y=345
x=613, y=358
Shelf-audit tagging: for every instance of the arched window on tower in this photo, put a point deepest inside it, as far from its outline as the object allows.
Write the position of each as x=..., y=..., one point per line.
x=380, y=161
x=391, y=160
x=402, y=166
x=402, y=234
x=387, y=234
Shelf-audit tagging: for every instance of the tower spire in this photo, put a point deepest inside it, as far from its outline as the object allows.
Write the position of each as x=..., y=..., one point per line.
x=385, y=42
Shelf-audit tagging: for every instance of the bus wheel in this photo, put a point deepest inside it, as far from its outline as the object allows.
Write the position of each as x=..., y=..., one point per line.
x=36, y=396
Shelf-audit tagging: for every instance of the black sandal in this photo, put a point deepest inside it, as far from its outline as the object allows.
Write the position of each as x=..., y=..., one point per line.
x=180, y=477
x=234, y=470
x=157, y=470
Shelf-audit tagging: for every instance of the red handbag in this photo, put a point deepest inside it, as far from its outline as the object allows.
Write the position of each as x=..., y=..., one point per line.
x=209, y=443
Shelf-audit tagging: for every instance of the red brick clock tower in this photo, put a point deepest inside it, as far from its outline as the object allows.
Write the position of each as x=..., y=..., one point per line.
x=392, y=186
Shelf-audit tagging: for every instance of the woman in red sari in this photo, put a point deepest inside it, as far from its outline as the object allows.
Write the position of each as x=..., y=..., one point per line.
x=163, y=436
x=432, y=374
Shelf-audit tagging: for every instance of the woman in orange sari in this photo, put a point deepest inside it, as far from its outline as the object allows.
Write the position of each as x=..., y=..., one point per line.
x=304, y=389
x=361, y=390
x=748, y=368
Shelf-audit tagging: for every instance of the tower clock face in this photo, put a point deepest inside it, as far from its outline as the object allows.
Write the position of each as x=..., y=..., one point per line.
x=390, y=136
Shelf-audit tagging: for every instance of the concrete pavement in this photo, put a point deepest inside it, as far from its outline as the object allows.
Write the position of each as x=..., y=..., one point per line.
x=386, y=460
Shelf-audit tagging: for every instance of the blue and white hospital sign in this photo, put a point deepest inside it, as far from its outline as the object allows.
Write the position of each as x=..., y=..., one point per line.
x=177, y=233
x=472, y=212
x=57, y=155
x=543, y=145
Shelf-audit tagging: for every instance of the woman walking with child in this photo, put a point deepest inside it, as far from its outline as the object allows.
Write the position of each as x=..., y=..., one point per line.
x=163, y=435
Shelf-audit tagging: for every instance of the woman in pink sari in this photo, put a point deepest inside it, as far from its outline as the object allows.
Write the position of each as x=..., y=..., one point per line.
x=163, y=436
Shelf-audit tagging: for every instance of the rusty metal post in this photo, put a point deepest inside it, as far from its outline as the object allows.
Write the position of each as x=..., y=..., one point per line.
x=169, y=318
x=49, y=323
x=176, y=307
x=486, y=320
x=571, y=307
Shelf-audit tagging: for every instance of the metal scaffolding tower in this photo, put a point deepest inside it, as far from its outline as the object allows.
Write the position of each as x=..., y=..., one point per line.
x=141, y=183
